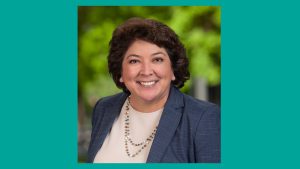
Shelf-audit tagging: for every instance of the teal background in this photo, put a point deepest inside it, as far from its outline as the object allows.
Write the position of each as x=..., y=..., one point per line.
x=260, y=86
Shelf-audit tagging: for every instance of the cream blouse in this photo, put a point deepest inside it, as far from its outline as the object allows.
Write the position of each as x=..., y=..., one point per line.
x=141, y=125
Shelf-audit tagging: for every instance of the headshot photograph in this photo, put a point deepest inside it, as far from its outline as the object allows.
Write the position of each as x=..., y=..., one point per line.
x=149, y=84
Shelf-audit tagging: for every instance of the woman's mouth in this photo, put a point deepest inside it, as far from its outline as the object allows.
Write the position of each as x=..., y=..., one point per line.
x=147, y=83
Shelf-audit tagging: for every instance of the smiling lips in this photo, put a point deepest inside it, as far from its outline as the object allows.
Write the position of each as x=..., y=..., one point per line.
x=147, y=83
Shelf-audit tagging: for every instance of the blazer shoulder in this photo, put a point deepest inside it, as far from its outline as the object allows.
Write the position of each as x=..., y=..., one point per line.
x=198, y=105
x=102, y=103
x=109, y=100
x=197, y=109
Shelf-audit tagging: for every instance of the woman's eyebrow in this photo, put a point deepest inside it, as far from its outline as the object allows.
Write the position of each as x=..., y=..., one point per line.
x=153, y=54
x=133, y=55
x=158, y=53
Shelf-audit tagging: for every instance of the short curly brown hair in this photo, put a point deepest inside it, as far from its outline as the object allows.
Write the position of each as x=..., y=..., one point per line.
x=150, y=31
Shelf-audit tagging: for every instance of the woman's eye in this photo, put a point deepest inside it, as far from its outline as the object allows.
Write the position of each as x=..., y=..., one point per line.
x=133, y=61
x=158, y=60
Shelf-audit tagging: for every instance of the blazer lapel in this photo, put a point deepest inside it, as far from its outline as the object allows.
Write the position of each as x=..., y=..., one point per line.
x=167, y=126
x=111, y=112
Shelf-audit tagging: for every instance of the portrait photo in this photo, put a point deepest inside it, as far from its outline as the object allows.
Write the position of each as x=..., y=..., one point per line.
x=149, y=84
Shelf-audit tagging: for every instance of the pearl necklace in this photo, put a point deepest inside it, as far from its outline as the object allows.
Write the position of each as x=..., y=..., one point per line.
x=127, y=138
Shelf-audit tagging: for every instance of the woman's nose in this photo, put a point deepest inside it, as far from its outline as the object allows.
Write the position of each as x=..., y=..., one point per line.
x=146, y=69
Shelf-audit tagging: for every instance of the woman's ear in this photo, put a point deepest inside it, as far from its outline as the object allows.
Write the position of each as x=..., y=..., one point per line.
x=173, y=77
x=121, y=80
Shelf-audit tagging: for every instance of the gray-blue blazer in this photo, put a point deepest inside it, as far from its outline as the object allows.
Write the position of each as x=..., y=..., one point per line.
x=188, y=131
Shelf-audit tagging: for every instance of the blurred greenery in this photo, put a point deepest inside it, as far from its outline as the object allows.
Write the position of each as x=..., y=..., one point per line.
x=197, y=27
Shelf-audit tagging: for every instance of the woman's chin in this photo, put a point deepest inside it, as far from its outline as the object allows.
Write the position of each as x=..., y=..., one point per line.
x=147, y=98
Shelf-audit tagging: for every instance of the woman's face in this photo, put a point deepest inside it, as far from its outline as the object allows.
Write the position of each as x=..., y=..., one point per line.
x=147, y=72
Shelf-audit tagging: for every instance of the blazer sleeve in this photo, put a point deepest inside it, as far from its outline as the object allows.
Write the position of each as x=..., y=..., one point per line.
x=95, y=115
x=95, y=118
x=207, y=137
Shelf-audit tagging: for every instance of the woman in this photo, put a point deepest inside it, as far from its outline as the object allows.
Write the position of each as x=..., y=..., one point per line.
x=152, y=121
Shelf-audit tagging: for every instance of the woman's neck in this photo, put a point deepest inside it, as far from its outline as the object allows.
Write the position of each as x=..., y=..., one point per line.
x=147, y=106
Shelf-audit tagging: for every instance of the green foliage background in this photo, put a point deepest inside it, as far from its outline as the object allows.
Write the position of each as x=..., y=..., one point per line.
x=198, y=29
